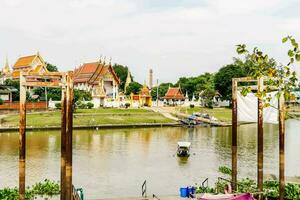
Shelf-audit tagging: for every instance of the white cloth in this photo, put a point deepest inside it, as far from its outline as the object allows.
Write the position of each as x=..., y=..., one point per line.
x=247, y=108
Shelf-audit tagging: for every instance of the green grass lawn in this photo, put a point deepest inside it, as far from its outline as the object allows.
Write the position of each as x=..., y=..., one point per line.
x=223, y=114
x=89, y=117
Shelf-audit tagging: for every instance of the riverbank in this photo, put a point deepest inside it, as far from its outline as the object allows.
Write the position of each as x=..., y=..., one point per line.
x=222, y=114
x=89, y=118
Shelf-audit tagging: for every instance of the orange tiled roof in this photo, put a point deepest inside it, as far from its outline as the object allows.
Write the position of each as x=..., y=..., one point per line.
x=24, y=61
x=174, y=93
x=91, y=72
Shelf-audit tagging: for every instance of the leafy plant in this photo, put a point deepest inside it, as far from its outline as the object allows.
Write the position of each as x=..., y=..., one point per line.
x=58, y=105
x=225, y=170
x=1, y=101
x=278, y=76
x=89, y=105
x=45, y=188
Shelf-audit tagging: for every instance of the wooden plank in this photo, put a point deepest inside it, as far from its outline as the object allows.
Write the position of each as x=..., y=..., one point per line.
x=281, y=108
x=43, y=84
x=22, y=138
x=63, y=142
x=69, y=132
x=260, y=139
x=234, y=135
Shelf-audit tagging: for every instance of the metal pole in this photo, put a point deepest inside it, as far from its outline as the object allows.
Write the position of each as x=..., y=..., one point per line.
x=22, y=137
x=46, y=98
x=63, y=140
x=234, y=134
x=69, y=128
x=157, y=93
x=281, y=108
x=260, y=139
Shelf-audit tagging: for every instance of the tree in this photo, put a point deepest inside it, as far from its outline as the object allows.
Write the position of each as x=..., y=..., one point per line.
x=52, y=93
x=51, y=68
x=162, y=90
x=194, y=85
x=121, y=72
x=133, y=87
x=279, y=76
x=15, y=84
x=223, y=79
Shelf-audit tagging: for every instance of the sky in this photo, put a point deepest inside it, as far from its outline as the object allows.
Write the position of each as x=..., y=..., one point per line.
x=173, y=37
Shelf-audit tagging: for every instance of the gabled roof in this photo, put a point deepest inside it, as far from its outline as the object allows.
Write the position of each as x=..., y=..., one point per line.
x=145, y=91
x=174, y=93
x=26, y=61
x=92, y=72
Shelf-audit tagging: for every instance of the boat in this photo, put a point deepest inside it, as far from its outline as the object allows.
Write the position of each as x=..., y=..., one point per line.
x=183, y=149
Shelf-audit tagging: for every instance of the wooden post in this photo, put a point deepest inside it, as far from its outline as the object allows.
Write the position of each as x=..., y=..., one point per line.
x=234, y=135
x=69, y=128
x=260, y=139
x=22, y=137
x=63, y=140
x=281, y=108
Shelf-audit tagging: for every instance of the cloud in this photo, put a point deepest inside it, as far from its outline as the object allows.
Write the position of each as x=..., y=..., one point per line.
x=175, y=38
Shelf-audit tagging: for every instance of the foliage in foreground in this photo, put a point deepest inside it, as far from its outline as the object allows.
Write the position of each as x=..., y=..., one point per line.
x=246, y=185
x=44, y=188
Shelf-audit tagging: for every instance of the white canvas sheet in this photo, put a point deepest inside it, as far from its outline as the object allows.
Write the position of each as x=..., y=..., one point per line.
x=247, y=108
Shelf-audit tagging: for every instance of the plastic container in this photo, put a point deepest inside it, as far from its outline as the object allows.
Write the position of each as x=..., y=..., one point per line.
x=183, y=192
x=193, y=190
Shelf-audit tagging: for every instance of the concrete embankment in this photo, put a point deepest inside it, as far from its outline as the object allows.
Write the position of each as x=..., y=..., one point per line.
x=97, y=127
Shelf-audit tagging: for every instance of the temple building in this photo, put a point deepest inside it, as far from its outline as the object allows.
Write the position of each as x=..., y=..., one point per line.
x=174, y=96
x=32, y=63
x=144, y=98
x=98, y=78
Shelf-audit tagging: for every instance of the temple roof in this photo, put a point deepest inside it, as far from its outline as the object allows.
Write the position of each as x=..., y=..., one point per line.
x=174, y=93
x=24, y=61
x=145, y=91
x=92, y=72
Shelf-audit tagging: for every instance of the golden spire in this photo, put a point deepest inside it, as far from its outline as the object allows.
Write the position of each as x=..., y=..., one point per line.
x=6, y=68
x=128, y=80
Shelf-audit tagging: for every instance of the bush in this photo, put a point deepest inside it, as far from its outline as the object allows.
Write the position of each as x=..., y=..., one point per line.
x=58, y=105
x=90, y=105
x=1, y=101
x=81, y=105
x=127, y=105
x=192, y=105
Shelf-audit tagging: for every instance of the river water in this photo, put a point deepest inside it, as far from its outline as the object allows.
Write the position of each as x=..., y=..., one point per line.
x=114, y=163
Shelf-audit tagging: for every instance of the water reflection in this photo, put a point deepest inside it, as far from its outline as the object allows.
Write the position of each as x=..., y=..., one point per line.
x=113, y=163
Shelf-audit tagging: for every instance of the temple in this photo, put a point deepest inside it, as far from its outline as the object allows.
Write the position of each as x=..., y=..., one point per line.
x=31, y=63
x=174, y=96
x=98, y=78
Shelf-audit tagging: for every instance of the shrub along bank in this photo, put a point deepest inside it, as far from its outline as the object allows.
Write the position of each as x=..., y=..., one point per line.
x=246, y=185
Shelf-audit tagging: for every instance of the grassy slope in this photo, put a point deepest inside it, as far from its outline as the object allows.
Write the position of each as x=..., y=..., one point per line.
x=223, y=114
x=104, y=116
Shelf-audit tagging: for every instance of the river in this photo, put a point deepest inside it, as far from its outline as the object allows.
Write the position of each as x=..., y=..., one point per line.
x=115, y=162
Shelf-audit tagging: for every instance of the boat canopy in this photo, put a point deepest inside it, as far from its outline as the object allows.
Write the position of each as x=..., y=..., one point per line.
x=184, y=144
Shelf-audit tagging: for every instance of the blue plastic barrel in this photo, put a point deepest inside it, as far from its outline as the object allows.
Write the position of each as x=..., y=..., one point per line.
x=183, y=192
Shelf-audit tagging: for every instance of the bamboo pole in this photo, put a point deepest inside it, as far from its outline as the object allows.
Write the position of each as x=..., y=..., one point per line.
x=260, y=139
x=63, y=141
x=281, y=108
x=69, y=128
x=234, y=135
x=22, y=138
